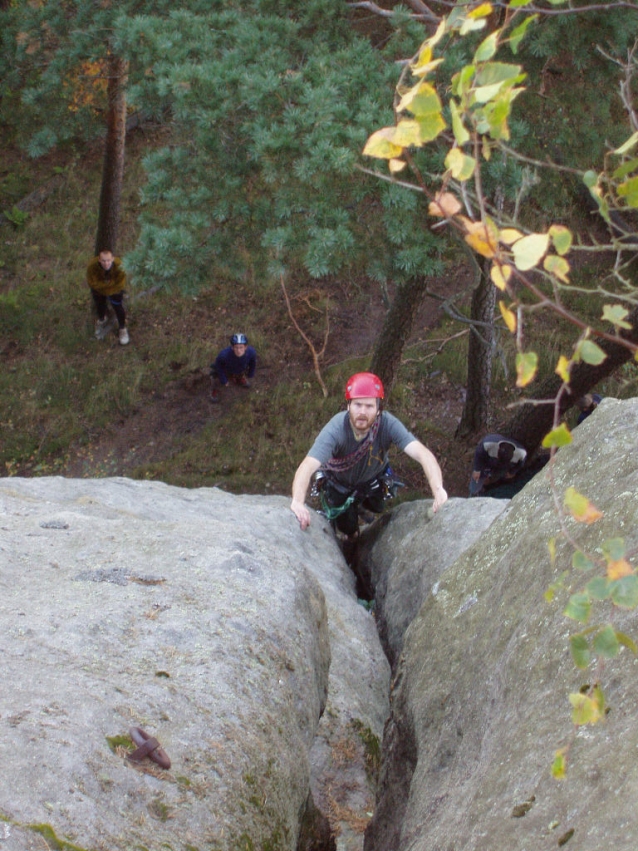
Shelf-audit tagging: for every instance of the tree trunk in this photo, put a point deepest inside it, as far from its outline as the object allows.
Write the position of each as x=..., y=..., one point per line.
x=476, y=411
x=530, y=423
x=396, y=330
x=113, y=165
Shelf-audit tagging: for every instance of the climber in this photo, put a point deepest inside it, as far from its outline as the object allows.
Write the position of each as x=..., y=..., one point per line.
x=350, y=457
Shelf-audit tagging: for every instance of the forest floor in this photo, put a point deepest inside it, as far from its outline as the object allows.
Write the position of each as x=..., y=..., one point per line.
x=176, y=412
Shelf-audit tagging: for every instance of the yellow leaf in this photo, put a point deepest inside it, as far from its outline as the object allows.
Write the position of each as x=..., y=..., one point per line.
x=587, y=710
x=396, y=166
x=508, y=316
x=618, y=569
x=557, y=266
x=382, y=145
x=562, y=368
x=481, y=11
x=422, y=69
x=526, y=366
x=430, y=126
x=509, y=235
x=581, y=509
x=407, y=133
x=529, y=250
x=422, y=99
x=557, y=437
x=461, y=165
x=500, y=275
x=482, y=237
x=471, y=25
x=445, y=205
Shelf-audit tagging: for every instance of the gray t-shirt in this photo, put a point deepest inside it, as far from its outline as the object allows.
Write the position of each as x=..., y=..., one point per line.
x=336, y=440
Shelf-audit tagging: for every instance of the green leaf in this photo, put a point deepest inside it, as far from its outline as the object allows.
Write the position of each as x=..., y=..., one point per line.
x=598, y=588
x=487, y=48
x=562, y=238
x=625, y=169
x=557, y=266
x=557, y=437
x=616, y=314
x=606, y=643
x=627, y=642
x=483, y=94
x=559, y=765
x=628, y=145
x=580, y=561
x=558, y=585
x=499, y=72
x=526, y=366
x=529, y=250
x=581, y=653
x=430, y=126
x=462, y=82
x=578, y=608
x=614, y=549
x=518, y=34
x=460, y=133
x=590, y=352
x=629, y=191
x=624, y=592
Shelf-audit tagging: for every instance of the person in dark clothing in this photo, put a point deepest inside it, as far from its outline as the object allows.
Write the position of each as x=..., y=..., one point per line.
x=107, y=279
x=495, y=458
x=350, y=457
x=587, y=404
x=236, y=363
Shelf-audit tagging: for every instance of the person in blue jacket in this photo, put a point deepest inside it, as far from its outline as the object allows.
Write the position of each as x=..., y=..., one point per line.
x=587, y=404
x=236, y=363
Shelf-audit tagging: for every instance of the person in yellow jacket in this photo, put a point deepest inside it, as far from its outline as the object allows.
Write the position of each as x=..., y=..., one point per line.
x=107, y=281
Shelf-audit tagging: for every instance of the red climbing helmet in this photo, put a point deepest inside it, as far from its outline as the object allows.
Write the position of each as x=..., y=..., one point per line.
x=364, y=385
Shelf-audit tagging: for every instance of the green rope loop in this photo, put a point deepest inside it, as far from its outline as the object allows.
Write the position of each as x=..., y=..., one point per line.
x=334, y=511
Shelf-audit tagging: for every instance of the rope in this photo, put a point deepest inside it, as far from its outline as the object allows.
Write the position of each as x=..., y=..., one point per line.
x=339, y=465
x=333, y=511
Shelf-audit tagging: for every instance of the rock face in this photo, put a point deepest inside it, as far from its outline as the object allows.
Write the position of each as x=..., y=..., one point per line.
x=480, y=697
x=414, y=548
x=211, y=622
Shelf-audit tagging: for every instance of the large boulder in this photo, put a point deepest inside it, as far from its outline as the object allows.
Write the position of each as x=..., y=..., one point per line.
x=411, y=550
x=480, y=699
x=207, y=620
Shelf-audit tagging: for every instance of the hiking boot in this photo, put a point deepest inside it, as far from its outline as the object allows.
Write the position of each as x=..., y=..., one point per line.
x=214, y=395
x=101, y=327
x=242, y=381
x=124, y=337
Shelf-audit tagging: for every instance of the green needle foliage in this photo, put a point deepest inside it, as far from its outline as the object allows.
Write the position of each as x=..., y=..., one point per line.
x=273, y=111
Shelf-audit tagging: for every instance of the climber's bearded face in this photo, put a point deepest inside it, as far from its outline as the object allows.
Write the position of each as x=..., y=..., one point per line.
x=363, y=412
